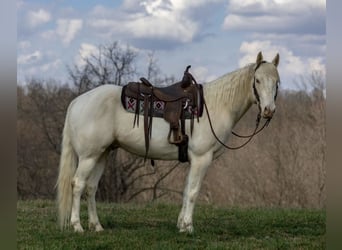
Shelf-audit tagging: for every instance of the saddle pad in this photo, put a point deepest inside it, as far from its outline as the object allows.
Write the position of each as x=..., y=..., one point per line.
x=130, y=104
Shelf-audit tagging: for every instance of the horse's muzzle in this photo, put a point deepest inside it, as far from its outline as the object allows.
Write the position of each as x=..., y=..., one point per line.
x=268, y=113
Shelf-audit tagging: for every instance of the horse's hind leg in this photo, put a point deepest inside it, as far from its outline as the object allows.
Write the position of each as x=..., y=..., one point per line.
x=84, y=169
x=91, y=188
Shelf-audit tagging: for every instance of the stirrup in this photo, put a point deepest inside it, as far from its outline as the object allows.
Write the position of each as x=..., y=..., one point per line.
x=177, y=137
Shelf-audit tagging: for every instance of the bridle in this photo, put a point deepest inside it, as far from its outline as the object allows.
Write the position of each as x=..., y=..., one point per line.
x=256, y=131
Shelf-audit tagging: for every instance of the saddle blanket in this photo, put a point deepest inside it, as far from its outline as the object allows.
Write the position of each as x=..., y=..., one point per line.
x=130, y=104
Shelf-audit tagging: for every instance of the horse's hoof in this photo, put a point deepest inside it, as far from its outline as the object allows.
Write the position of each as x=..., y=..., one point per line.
x=98, y=228
x=95, y=227
x=78, y=228
x=186, y=228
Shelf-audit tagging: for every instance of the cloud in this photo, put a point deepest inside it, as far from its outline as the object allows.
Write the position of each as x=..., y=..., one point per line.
x=291, y=65
x=276, y=16
x=202, y=74
x=305, y=45
x=153, y=21
x=249, y=51
x=36, y=18
x=24, y=45
x=48, y=34
x=53, y=65
x=67, y=29
x=258, y=7
x=84, y=52
x=30, y=58
x=38, y=64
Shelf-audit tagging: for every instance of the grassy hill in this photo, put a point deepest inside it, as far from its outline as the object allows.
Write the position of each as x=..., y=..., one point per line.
x=153, y=226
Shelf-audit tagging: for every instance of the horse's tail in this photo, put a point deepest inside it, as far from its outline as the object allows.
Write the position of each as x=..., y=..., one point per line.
x=67, y=169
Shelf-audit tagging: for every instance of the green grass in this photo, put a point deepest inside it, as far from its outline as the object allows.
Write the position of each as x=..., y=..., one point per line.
x=153, y=226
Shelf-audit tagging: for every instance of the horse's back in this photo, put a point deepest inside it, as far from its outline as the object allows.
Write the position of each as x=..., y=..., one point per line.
x=98, y=95
x=95, y=103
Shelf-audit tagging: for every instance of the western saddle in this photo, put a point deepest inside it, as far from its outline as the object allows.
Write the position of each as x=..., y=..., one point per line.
x=175, y=103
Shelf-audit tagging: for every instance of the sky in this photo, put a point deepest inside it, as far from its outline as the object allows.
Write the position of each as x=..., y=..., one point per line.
x=214, y=36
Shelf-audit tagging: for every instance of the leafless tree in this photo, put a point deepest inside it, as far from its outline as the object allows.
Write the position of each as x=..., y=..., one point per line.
x=41, y=109
x=154, y=73
x=112, y=64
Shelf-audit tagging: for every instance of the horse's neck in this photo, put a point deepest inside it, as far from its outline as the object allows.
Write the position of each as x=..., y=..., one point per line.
x=230, y=94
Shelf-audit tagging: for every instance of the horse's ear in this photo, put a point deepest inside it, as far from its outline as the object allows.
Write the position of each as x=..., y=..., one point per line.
x=259, y=58
x=276, y=60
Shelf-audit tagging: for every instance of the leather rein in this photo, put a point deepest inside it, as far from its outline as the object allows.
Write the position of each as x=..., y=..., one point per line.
x=256, y=131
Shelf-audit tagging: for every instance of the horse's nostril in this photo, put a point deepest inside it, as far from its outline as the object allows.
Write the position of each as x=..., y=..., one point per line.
x=268, y=112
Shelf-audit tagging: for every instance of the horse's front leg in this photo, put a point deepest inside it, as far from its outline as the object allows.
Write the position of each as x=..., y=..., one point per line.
x=198, y=169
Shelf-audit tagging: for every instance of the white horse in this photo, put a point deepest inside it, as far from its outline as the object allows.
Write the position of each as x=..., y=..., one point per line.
x=96, y=121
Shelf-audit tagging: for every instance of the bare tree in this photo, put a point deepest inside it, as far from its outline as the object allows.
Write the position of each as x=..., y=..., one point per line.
x=112, y=64
x=41, y=109
x=45, y=106
x=155, y=186
x=154, y=73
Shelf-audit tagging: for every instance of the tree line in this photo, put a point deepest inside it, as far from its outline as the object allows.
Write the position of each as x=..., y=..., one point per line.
x=284, y=166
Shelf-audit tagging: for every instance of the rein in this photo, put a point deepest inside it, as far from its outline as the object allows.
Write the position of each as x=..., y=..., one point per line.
x=256, y=131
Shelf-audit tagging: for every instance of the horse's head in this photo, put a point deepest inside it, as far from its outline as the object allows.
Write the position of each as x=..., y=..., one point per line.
x=265, y=85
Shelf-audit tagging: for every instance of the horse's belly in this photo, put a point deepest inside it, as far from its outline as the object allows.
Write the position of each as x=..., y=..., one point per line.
x=154, y=152
x=157, y=150
x=133, y=140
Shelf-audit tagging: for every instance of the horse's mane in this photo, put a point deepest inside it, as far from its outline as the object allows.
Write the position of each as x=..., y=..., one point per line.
x=230, y=88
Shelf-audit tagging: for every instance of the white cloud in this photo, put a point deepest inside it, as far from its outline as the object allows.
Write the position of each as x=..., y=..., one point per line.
x=29, y=58
x=67, y=29
x=275, y=6
x=266, y=22
x=316, y=64
x=291, y=65
x=202, y=74
x=151, y=19
x=24, y=45
x=51, y=65
x=163, y=26
x=249, y=51
x=48, y=34
x=276, y=15
x=36, y=18
x=84, y=52
x=186, y=5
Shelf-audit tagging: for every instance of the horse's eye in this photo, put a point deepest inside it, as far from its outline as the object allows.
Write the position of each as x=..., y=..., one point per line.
x=257, y=81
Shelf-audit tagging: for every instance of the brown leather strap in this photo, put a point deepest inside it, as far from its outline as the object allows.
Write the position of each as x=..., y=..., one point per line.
x=222, y=143
x=137, y=107
x=146, y=132
x=151, y=115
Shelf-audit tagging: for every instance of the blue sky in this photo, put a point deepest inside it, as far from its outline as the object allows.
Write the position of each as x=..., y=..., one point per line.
x=214, y=36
